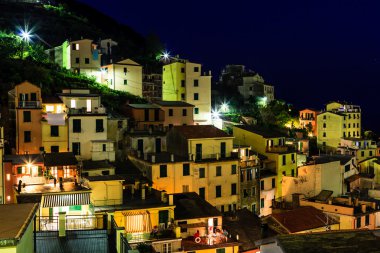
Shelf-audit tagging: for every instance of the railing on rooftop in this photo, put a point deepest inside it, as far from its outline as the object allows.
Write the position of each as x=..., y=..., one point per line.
x=83, y=110
x=73, y=222
x=29, y=104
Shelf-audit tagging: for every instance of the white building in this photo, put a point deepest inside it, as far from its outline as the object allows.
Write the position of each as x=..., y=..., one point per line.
x=255, y=86
x=125, y=75
x=87, y=125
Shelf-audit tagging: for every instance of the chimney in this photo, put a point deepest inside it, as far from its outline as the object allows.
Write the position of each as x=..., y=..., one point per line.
x=143, y=193
x=364, y=208
x=153, y=159
x=172, y=157
x=330, y=202
x=296, y=200
x=171, y=200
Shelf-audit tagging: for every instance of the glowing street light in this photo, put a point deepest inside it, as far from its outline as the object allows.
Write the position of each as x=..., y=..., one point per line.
x=25, y=35
x=224, y=107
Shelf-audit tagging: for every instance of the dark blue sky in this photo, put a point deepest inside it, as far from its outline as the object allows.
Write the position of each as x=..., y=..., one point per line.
x=312, y=51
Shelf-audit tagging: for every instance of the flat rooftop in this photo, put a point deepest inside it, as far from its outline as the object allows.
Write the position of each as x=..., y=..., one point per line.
x=51, y=188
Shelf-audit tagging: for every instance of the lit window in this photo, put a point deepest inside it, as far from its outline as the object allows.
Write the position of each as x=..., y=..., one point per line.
x=59, y=108
x=73, y=103
x=8, y=198
x=88, y=103
x=50, y=108
x=8, y=177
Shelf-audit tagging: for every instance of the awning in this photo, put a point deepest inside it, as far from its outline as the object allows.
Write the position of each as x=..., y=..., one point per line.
x=193, y=225
x=137, y=221
x=74, y=199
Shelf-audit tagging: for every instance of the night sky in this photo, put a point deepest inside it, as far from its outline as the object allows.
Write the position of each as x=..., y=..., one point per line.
x=312, y=51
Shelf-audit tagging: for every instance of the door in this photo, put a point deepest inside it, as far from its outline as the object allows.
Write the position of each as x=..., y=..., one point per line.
x=223, y=150
x=140, y=146
x=198, y=152
x=158, y=145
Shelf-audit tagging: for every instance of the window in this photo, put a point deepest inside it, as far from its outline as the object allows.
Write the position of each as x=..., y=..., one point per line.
x=347, y=168
x=292, y=172
x=27, y=116
x=54, y=131
x=233, y=169
x=196, y=82
x=75, y=46
x=104, y=147
x=362, y=153
x=218, y=171
x=76, y=126
x=196, y=96
x=170, y=112
x=87, y=60
x=196, y=110
x=184, y=112
x=49, y=108
x=166, y=248
x=88, y=105
x=183, y=96
x=182, y=83
x=284, y=160
x=76, y=148
x=273, y=183
x=233, y=189
x=218, y=191
x=349, y=125
x=370, y=153
x=324, y=116
x=105, y=172
x=367, y=220
x=73, y=103
x=253, y=191
x=249, y=175
x=125, y=71
x=54, y=149
x=77, y=60
x=183, y=228
x=185, y=188
x=201, y=172
x=324, y=134
x=324, y=125
x=186, y=169
x=202, y=192
x=262, y=185
x=196, y=69
x=358, y=222
x=120, y=124
x=27, y=136
x=163, y=170
x=125, y=81
x=293, y=160
x=246, y=193
x=99, y=126
x=262, y=203
x=182, y=70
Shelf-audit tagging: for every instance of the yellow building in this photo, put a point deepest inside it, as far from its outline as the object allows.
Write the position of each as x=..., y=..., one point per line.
x=125, y=75
x=351, y=213
x=106, y=190
x=54, y=125
x=340, y=120
x=361, y=148
x=371, y=166
x=271, y=144
x=184, y=81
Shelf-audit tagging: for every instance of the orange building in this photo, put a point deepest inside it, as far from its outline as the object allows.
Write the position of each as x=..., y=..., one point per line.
x=145, y=116
x=177, y=113
x=27, y=98
x=308, y=117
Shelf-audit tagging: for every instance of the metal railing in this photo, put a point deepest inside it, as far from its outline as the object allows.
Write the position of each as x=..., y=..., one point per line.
x=47, y=223
x=29, y=104
x=73, y=222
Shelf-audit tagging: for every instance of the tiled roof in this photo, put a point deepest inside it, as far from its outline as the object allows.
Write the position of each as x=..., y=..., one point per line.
x=190, y=206
x=200, y=132
x=343, y=159
x=265, y=132
x=14, y=217
x=94, y=165
x=60, y=159
x=51, y=100
x=173, y=103
x=144, y=106
x=23, y=159
x=301, y=219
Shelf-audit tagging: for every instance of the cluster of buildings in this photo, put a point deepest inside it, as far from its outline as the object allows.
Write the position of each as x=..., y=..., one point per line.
x=159, y=175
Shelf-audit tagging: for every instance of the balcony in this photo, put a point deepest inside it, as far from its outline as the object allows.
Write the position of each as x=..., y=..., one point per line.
x=83, y=110
x=29, y=104
x=277, y=149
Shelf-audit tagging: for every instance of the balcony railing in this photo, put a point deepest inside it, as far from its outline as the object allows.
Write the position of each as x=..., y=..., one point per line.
x=73, y=222
x=29, y=104
x=83, y=110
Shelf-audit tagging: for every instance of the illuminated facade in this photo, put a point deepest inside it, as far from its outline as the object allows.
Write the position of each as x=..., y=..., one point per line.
x=177, y=113
x=125, y=75
x=271, y=144
x=360, y=148
x=54, y=125
x=308, y=120
x=28, y=104
x=184, y=81
x=87, y=125
x=340, y=120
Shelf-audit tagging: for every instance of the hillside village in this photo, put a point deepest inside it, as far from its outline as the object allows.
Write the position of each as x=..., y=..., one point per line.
x=166, y=168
